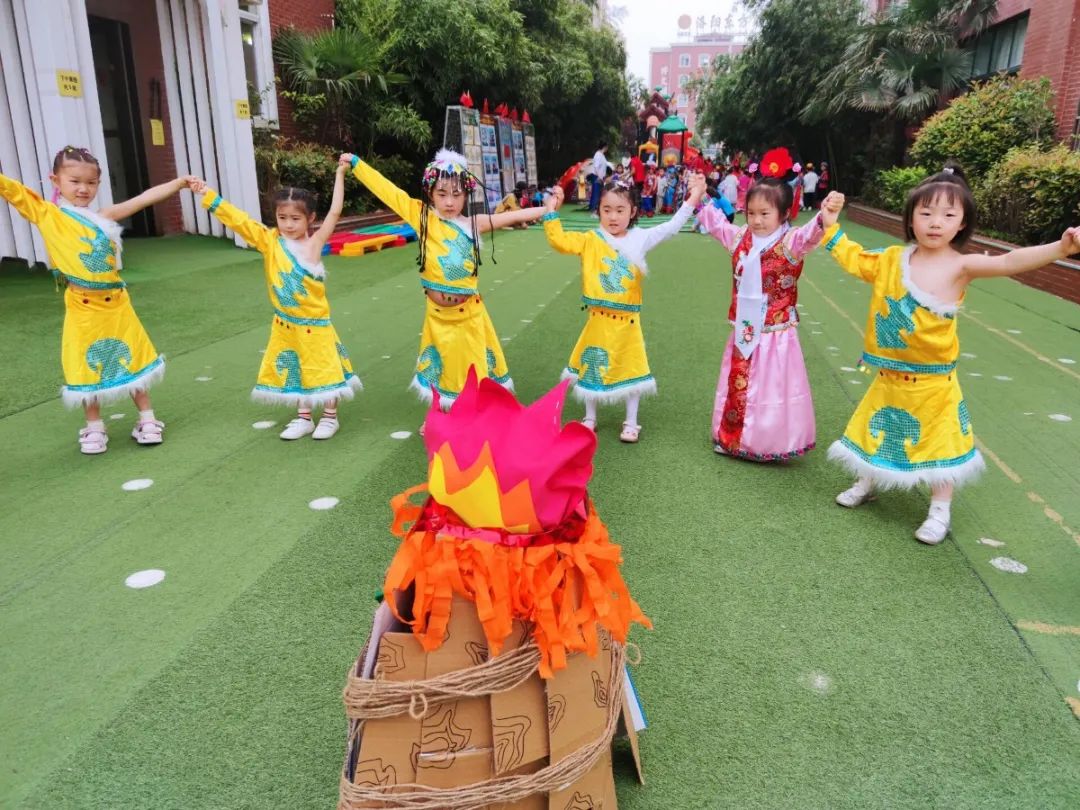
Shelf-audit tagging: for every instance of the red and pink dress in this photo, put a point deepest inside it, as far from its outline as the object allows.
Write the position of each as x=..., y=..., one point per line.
x=763, y=409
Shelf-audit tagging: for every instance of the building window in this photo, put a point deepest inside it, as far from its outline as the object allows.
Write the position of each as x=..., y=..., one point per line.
x=704, y=60
x=683, y=79
x=683, y=100
x=1001, y=48
x=259, y=62
x=684, y=60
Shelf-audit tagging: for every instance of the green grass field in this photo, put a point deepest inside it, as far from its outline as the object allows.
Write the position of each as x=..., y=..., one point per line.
x=803, y=655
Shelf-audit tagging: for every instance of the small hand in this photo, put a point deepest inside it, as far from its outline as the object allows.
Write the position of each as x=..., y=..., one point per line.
x=831, y=207
x=185, y=181
x=555, y=199
x=345, y=161
x=1070, y=241
x=197, y=185
x=696, y=186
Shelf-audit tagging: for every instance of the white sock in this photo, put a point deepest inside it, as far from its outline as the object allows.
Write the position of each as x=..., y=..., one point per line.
x=590, y=410
x=631, y=409
x=146, y=416
x=863, y=486
x=941, y=510
x=96, y=424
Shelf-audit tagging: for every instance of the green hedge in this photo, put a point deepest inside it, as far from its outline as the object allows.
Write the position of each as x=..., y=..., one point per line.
x=979, y=127
x=1031, y=196
x=281, y=162
x=890, y=187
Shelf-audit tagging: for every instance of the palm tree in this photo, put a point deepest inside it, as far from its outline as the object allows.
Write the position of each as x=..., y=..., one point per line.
x=905, y=64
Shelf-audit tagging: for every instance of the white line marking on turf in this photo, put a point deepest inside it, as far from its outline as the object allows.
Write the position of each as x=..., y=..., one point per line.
x=144, y=579
x=1002, y=377
x=135, y=484
x=1009, y=565
x=989, y=541
x=1067, y=361
x=1060, y=417
x=117, y=416
x=401, y=434
x=203, y=379
x=322, y=504
x=264, y=425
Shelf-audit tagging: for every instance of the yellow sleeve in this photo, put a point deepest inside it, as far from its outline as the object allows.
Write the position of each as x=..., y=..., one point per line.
x=254, y=233
x=390, y=195
x=573, y=243
x=25, y=201
x=850, y=255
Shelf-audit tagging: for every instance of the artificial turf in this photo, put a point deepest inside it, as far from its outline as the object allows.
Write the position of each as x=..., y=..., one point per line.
x=803, y=655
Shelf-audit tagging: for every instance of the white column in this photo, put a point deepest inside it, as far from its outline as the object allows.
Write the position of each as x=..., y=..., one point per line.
x=176, y=114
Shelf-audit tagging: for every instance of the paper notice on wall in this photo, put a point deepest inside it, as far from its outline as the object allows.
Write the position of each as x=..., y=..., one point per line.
x=157, y=132
x=69, y=83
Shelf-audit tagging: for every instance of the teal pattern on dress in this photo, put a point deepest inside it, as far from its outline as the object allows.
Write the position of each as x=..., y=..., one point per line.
x=288, y=363
x=109, y=358
x=964, y=416
x=292, y=286
x=96, y=259
x=899, y=427
x=887, y=328
x=594, y=361
x=491, y=362
x=432, y=371
x=457, y=264
x=612, y=280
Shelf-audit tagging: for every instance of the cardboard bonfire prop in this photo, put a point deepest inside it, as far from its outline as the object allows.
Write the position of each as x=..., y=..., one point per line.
x=494, y=676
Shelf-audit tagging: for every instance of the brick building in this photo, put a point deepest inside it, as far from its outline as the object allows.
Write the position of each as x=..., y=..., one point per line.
x=154, y=88
x=1037, y=38
x=673, y=67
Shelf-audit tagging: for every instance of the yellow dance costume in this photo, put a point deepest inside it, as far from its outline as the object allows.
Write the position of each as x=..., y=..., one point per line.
x=609, y=363
x=452, y=338
x=913, y=425
x=105, y=352
x=305, y=363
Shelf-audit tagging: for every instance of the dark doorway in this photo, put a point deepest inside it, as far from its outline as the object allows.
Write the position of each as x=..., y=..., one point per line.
x=110, y=41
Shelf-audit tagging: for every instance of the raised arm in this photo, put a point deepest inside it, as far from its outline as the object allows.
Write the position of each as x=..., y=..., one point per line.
x=850, y=255
x=718, y=227
x=493, y=222
x=572, y=243
x=152, y=196
x=337, y=202
x=977, y=265
x=25, y=200
x=254, y=233
x=654, y=236
x=390, y=195
x=803, y=240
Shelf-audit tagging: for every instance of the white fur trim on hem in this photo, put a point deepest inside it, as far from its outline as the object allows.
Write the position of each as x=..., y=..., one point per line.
x=883, y=479
x=646, y=388
x=928, y=300
x=423, y=393
x=106, y=396
x=346, y=391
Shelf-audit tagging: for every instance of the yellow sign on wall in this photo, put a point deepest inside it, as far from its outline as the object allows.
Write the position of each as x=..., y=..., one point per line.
x=243, y=109
x=70, y=83
x=157, y=132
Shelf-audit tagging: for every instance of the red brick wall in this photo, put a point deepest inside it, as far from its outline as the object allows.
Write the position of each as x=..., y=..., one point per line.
x=1050, y=49
x=1060, y=279
x=141, y=16
x=306, y=15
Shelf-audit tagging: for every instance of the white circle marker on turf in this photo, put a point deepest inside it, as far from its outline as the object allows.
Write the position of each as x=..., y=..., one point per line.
x=203, y=379
x=817, y=682
x=815, y=332
x=264, y=425
x=990, y=541
x=846, y=368
x=833, y=348
x=1029, y=413
x=401, y=434
x=1067, y=361
x=1009, y=565
x=1002, y=377
x=967, y=355
x=974, y=374
x=144, y=579
x=1060, y=417
x=386, y=357
x=526, y=320
x=855, y=382
x=322, y=504
x=136, y=484
x=1014, y=331
x=117, y=416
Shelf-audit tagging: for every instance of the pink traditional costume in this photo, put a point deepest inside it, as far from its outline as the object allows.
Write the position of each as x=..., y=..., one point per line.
x=763, y=409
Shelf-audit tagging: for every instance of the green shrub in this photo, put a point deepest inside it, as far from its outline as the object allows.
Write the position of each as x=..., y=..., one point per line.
x=890, y=187
x=1031, y=195
x=978, y=128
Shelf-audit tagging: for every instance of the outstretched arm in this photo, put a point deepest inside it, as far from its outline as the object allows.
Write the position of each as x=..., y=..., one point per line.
x=493, y=222
x=976, y=265
x=151, y=196
x=390, y=195
x=654, y=236
x=572, y=243
x=25, y=200
x=254, y=233
x=337, y=202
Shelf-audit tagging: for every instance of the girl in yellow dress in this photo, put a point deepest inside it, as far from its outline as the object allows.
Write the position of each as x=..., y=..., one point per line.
x=105, y=352
x=608, y=365
x=305, y=363
x=457, y=331
x=913, y=426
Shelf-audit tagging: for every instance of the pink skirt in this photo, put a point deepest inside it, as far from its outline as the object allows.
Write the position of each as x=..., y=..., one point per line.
x=775, y=419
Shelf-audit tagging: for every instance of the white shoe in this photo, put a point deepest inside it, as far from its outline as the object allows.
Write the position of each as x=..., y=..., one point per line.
x=297, y=429
x=93, y=442
x=148, y=432
x=932, y=531
x=326, y=428
x=589, y=423
x=630, y=433
x=854, y=496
